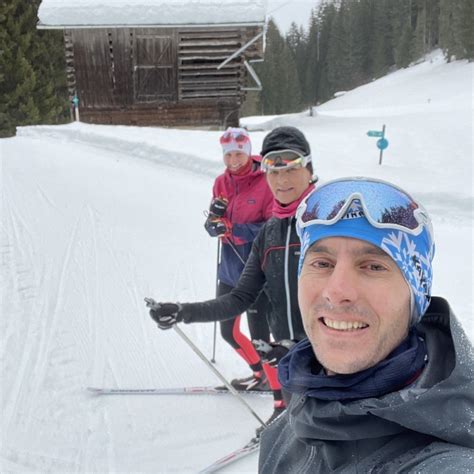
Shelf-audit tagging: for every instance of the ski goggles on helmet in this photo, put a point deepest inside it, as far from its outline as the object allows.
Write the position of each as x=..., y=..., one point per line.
x=281, y=159
x=384, y=205
x=234, y=136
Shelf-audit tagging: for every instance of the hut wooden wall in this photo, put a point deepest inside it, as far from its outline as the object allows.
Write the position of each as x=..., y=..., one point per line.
x=152, y=76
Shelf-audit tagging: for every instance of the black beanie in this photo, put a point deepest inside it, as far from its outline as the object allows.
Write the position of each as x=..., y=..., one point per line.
x=285, y=138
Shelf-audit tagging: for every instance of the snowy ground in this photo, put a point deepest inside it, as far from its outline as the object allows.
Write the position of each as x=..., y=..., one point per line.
x=94, y=218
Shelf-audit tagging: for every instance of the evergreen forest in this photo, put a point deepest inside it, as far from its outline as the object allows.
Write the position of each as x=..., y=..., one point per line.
x=346, y=43
x=351, y=42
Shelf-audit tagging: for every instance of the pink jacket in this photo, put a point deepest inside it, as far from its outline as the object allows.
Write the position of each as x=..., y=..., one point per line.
x=250, y=202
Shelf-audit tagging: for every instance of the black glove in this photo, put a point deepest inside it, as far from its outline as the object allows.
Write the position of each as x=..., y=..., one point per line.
x=166, y=315
x=273, y=352
x=217, y=227
x=218, y=207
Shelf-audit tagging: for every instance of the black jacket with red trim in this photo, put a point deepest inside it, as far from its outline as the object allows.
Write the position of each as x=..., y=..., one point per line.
x=273, y=266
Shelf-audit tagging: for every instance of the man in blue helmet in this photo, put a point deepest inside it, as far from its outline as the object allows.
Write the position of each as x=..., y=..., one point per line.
x=384, y=380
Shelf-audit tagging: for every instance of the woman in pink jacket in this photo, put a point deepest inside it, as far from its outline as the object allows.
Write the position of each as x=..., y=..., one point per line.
x=242, y=202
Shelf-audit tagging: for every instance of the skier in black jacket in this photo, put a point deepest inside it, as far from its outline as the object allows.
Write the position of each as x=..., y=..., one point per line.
x=273, y=261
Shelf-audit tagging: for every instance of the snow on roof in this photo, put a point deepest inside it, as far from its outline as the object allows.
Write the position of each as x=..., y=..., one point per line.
x=81, y=13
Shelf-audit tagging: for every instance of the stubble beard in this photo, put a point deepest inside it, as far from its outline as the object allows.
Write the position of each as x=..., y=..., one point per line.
x=351, y=364
x=382, y=346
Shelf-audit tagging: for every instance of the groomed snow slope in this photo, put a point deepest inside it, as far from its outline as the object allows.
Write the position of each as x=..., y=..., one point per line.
x=94, y=218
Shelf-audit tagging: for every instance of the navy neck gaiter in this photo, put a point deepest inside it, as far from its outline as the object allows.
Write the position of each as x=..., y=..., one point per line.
x=300, y=372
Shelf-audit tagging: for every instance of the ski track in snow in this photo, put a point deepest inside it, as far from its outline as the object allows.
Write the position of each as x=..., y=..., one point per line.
x=42, y=348
x=136, y=148
x=64, y=344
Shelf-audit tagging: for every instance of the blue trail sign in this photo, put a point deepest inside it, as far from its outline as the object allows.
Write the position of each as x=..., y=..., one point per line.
x=382, y=142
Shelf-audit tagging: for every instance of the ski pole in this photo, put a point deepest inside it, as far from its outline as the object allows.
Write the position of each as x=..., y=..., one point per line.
x=233, y=247
x=217, y=373
x=213, y=360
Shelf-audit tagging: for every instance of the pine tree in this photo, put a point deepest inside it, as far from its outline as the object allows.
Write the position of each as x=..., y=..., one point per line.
x=310, y=76
x=32, y=81
x=383, y=52
x=326, y=15
x=402, y=33
x=297, y=44
x=361, y=34
x=425, y=16
x=419, y=45
x=281, y=86
x=456, y=31
x=464, y=15
x=49, y=64
x=337, y=57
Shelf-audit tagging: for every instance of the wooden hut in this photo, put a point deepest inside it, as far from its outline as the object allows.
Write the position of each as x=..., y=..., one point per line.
x=153, y=62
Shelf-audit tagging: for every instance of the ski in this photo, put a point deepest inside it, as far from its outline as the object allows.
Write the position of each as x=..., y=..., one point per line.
x=205, y=390
x=233, y=456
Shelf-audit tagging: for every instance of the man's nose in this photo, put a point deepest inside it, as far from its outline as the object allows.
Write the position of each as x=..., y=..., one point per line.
x=341, y=287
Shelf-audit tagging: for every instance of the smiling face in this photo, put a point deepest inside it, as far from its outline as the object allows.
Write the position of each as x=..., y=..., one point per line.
x=355, y=304
x=234, y=160
x=288, y=184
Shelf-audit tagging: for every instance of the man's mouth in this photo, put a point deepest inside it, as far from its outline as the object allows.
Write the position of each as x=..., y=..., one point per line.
x=344, y=325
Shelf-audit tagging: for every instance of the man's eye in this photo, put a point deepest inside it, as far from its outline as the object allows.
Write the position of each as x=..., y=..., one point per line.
x=375, y=267
x=320, y=264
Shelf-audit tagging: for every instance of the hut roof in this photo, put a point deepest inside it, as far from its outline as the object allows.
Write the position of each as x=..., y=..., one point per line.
x=115, y=13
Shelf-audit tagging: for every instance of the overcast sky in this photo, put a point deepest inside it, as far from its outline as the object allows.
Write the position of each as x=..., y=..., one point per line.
x=287, y=11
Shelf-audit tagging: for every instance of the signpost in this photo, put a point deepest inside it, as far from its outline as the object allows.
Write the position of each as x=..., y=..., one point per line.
x=382, y=142
x=75, y=102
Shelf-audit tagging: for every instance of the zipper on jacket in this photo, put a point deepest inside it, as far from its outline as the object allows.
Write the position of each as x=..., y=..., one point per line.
x=287, y=280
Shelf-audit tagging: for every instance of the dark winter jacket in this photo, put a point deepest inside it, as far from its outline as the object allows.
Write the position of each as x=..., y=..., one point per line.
x=273, y=262
x=426, y=427
x=250, y=204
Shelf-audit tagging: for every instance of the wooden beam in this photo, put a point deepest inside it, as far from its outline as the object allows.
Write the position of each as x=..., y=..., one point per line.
x=216, y=42
x=195, y=67
x=212, y=80
x=185, y=74
x=193, y=95
x=183, y=50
